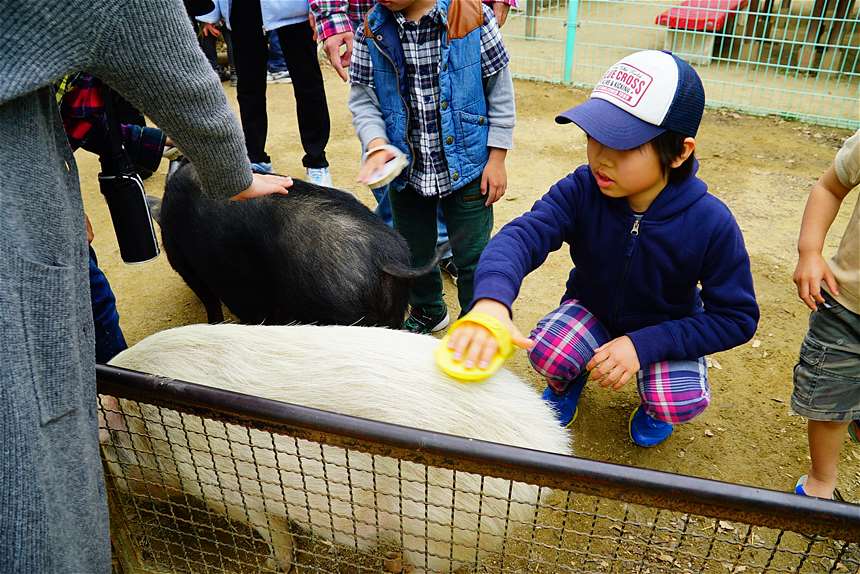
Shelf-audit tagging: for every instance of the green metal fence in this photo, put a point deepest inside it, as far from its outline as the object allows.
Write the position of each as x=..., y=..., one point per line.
x=796, y=58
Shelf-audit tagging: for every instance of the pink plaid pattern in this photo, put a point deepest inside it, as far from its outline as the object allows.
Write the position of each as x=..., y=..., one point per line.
x=565, y=340
x=674, y=391
x=564, y=343
x=339, y=16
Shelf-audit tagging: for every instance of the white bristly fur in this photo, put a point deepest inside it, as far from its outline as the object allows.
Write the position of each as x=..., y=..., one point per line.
x=368, y=372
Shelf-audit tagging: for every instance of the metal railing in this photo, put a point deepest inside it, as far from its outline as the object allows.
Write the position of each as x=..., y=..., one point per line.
x=795, y=58
x=205, y=480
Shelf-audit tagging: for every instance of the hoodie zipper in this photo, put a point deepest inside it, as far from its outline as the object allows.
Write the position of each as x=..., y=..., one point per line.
x=403, y=101
x=628, y=256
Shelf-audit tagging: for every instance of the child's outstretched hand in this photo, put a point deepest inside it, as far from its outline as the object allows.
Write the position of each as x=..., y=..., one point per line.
x=614, y=363
x=811, y=270
x=475, y=345
x=375, y=160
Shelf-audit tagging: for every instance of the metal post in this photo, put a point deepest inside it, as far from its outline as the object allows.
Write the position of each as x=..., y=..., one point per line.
x=531, y=18
x=570, y=39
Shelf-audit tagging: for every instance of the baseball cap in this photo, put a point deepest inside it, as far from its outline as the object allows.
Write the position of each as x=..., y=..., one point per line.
x=640, y=97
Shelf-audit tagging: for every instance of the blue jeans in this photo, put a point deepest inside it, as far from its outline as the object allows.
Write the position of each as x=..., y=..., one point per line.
x=109, y=338
x=383, y=210
x=277, y=63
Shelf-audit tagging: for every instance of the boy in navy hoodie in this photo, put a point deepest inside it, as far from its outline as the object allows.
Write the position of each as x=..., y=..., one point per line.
x=661, y=277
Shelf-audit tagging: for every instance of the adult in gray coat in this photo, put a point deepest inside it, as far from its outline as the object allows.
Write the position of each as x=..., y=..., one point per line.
x=53, y=513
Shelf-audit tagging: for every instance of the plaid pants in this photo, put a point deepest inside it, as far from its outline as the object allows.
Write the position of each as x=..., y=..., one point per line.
x=671, y=391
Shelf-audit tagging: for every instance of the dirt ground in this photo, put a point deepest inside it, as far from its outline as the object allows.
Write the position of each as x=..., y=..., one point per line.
x=762, y=168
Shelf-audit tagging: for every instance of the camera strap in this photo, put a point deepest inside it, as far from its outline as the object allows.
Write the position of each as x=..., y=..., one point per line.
x=115, y=160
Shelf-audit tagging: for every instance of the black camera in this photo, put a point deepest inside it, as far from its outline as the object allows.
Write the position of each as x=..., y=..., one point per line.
x=129, y=213
x=123, y=190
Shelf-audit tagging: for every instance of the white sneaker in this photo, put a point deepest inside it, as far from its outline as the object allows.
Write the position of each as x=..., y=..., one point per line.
x=279, y=77
x=319, y=176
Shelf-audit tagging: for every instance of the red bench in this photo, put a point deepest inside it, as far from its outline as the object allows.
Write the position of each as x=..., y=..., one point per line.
x=693, y=24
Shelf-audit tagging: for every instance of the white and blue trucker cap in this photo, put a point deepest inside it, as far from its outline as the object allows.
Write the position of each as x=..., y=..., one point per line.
x=640, y=97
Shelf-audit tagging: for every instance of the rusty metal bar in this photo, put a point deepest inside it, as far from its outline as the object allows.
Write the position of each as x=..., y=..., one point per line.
x=757, y=506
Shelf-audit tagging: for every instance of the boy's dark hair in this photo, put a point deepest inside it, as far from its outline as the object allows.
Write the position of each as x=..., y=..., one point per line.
x=668, y=146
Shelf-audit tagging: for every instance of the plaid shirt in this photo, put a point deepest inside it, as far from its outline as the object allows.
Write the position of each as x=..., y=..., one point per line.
x=422, y=47
x=82, y=109
x=339, y=16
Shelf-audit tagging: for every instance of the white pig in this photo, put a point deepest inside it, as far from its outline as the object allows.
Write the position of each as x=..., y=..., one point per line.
x=351, y=498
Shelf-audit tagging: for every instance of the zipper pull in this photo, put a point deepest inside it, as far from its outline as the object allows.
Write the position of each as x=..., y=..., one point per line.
x=634, y=233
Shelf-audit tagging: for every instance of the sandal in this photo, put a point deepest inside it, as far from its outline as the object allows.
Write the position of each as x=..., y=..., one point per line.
x=457, y=369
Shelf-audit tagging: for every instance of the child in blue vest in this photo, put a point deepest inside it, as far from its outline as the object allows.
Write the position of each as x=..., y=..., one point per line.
x=431, y=79
x=661, y=277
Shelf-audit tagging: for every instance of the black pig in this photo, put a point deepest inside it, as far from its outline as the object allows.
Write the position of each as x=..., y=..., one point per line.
x=317, y=255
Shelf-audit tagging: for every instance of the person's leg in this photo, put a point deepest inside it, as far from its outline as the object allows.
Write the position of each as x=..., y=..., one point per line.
x=228, y=42
x=470, y=223
x=250, y=51
x=383, y=205
x=827, y=389
x=446, y=264
x=441, y=229
x=825, y=443
x=109, y=337
x=311, y=105
x=565, y=340
x=415, y=219
x=674, y=391
x=671, y=392
x=208, y=44
x=276, y=61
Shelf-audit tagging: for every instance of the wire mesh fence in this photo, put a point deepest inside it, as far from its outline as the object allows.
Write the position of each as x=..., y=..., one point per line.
x=796, y=58
x=203, y=480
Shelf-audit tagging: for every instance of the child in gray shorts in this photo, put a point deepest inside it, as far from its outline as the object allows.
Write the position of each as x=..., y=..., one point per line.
x=827, y=376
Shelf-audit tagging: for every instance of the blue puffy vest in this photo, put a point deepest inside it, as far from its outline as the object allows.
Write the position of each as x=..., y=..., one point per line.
x=462, y=103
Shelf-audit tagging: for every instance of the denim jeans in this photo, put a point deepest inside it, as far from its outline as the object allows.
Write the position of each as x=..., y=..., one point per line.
x=277, y=63
x=827, y=375
x=109, y=338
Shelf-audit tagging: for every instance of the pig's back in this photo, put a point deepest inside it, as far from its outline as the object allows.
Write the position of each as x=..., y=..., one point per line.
x=368, y=372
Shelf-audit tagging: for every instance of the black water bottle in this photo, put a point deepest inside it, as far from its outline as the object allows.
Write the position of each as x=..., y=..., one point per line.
x=123, y=191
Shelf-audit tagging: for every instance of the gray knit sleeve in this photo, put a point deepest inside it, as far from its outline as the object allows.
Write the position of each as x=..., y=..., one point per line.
x=366, y=116
x=501, y=109
x=150, y=55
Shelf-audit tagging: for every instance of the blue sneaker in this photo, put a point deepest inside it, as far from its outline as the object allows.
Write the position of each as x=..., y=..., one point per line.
x=263, y=167
x=566, y=403
x=800, y=490
x=799, y=487
x=647, y=431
